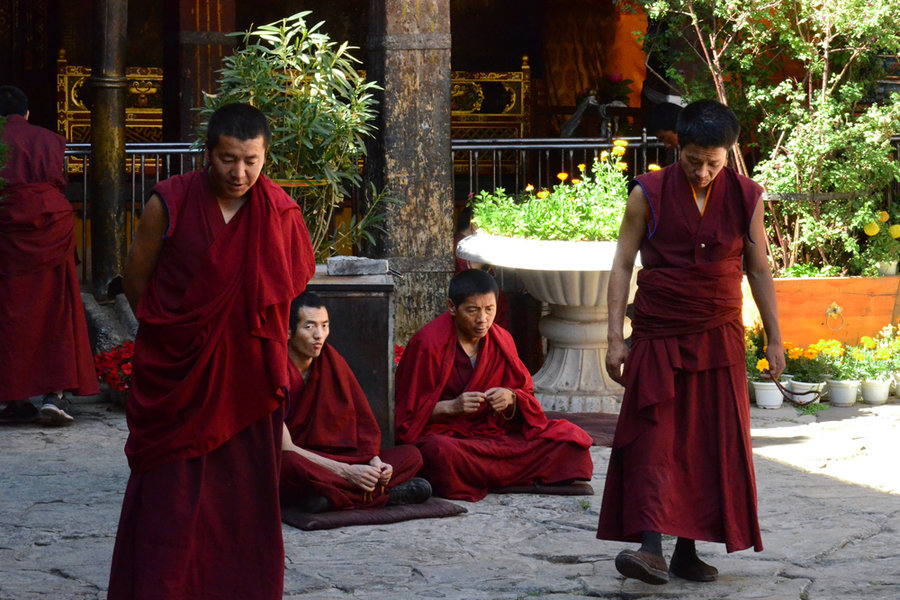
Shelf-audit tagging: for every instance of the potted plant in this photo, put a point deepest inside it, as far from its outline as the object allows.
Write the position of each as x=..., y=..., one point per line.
x=845, y=369
x=114, y=368
x=321, y=111
x=882, y=246
x=561, y=243
x=808, y=367
x=877, y=364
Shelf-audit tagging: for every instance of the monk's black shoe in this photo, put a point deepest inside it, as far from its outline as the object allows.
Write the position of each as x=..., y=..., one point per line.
x=315, y=504
x=647, y=567
x=19, y=412
x=692, y=569
x=414, y=491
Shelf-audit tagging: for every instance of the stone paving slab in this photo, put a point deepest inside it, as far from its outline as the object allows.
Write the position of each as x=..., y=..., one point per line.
x=829, y=500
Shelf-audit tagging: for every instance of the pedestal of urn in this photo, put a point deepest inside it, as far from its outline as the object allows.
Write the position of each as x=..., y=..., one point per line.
x=571, y=277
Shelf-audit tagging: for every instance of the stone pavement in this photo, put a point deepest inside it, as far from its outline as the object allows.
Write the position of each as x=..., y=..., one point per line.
x=829, y=499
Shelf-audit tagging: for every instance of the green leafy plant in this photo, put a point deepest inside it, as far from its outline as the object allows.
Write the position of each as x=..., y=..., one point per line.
x=754, y=345
x=882, y=245
x=321, y=111
x=585, y=208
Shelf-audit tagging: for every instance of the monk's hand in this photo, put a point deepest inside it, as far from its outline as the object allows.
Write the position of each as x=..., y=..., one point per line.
x=364, y=477
x=615, y=360
x=468, y=403
x=385, y=470
x=775, y=356
x=500, y=398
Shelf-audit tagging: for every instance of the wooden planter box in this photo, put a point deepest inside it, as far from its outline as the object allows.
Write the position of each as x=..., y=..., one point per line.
x=806, y=307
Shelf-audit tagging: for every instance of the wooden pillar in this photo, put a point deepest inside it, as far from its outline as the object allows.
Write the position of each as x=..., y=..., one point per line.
x=107, y=182
x=195, y=43
x=409, y=56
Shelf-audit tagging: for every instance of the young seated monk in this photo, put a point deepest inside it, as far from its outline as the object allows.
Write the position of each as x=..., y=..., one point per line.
x=466, y=400
x=331, y=456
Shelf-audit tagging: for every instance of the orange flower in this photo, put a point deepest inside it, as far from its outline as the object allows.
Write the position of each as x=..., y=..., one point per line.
x=543, y=194
x=653, y=167
x=529, y=188
x=811, y=353
x=622, y=166
x=575, y=181
x=618, y=150
x=789, y=346
x=762, y=365
x=867, y=342
x=883, y=216
x=562, y=176
x=582, y=167
x=795, y=353
x=603, y=156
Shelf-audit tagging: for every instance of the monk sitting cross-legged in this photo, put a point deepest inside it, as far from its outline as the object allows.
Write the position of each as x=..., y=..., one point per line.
x=331, y=443
x=466, y=400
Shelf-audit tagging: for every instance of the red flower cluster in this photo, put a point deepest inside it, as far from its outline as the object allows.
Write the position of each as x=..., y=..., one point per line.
x=114, y=366
x=398, y=353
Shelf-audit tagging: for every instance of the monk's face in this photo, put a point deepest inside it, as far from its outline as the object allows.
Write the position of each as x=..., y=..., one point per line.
x=474, y=316
x=312, y=331
x=668, y=138
x=701, y=165
x=235, y=165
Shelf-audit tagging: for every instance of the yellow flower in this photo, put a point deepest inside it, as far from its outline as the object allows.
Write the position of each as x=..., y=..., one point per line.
x=883, y=216
x=762, y=365
x=603, y=156
x=789, y=346
x=894, y=231
x=857, y=354
x=882, y=354
x=871, y=228
x=622, y=166
x=795, y=353
x=620, y=143
x=866, y=342
x=582, y=167
x=575, y=181
x=618, y=150
x=653, y=167
x=529, y=188
x=562, y=176
x=543, y=194
x=811, y=353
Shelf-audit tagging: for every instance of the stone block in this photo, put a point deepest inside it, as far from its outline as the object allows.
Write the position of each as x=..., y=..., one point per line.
x=356, y=265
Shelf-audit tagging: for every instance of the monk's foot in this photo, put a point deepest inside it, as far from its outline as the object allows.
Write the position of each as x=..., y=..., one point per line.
x=647, y=567
x=315, y=504
x=52, y=410
x=690, y=567
x=414, y=491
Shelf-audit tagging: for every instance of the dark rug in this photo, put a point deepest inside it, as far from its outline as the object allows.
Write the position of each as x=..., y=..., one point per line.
x=600, y=426
x=432, y=508
x=577, y=488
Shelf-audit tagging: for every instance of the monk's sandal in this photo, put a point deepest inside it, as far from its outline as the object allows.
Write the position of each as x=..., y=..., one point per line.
x=647, y=567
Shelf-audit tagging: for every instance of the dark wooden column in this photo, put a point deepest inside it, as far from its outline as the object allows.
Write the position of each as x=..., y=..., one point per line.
x=107, y=183
x=409, y=56
x=196, y=42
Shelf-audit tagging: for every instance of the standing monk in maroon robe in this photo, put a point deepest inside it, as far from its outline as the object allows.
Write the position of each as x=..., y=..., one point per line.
x=681, y=461
x=216, y=260
x=44, y=344
x=466, y=400
x=332, y=456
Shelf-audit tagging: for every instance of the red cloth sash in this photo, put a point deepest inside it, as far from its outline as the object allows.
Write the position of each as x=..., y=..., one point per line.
x=426, y=367
x=211, y=350
x=329, y=413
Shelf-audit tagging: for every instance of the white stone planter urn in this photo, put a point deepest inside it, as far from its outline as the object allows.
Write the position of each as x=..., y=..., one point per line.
x=572, y=278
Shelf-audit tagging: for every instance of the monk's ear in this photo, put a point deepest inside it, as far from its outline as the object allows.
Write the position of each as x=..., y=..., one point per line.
x=451, y=306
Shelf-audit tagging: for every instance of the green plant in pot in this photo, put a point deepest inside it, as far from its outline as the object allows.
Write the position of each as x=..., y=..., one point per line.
x=882, y=249
x=321, y=111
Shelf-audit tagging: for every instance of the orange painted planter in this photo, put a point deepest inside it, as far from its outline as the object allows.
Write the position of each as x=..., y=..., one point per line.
x=841, y=308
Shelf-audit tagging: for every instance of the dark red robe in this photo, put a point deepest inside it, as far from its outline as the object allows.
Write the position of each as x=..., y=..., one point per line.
x=201, y=516
x=44, y=344
x=329, y=414
x=682, y=460
x=466, y=457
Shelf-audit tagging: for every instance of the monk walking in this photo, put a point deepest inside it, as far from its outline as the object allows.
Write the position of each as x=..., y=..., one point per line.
x=332, y=445
x=44, y=344
x=466, y=400
x=216, y=260
x=681, y=461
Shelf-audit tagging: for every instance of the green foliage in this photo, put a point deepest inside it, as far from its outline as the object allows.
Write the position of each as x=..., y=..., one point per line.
x=882, y=244
x=799, y=76
x=589, y=208
x=754, y=346
x=321, y=112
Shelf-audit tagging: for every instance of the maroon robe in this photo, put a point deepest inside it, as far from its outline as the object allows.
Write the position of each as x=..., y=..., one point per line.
x=201, y=516
x=682, y=460
x=44, y=344
x=329, y=414
x=467, y=456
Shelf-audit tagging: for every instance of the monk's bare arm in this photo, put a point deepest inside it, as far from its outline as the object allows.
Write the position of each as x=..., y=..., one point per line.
x=145, y=250
x=363, y=476
x=464, y=404
x=631, y=232
x=763, y=289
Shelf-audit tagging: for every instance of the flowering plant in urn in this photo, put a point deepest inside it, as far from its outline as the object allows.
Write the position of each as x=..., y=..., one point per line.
x=114, y=366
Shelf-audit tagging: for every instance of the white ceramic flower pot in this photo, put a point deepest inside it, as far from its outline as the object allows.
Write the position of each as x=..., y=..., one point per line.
x=843, y=392
x=876, y=391
x=798, y=389
x=767, y=394
x=887, y=268
x=571, y=277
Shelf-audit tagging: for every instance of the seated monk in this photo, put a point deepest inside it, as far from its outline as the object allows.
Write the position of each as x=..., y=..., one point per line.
x=466, y=400
x=331, y=441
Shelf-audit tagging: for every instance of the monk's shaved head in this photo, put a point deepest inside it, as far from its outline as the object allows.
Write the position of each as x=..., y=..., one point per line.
x=305, y=300
x=472, y=282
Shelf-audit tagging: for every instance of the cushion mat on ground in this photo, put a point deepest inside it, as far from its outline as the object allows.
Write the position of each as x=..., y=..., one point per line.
x=432, y=508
